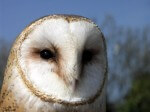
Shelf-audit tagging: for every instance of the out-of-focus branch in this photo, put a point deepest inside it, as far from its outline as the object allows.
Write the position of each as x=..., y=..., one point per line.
x=4, y=49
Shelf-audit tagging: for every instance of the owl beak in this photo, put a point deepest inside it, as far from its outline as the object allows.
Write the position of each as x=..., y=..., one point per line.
x=74, y=78
x=73, y=85
x=72, y=69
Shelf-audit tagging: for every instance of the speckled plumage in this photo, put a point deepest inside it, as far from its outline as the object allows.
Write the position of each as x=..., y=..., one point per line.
x=27, y=98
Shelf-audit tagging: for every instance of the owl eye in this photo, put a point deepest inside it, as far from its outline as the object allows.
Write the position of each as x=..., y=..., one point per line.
x=47, y=54
x=87, y=56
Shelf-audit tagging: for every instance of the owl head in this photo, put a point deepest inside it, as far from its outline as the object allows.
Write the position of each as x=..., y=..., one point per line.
x=62, y=58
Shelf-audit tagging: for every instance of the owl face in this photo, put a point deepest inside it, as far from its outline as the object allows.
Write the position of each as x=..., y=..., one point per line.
x=63, y=57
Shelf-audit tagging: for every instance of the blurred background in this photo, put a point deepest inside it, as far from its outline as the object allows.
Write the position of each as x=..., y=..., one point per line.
x=126, y=26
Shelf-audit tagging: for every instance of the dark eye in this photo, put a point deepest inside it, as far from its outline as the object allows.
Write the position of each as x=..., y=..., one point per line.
x=46, y=54
x=87, y=56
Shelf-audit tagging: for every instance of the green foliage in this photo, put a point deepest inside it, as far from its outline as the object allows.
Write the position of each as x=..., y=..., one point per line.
x=138, y=99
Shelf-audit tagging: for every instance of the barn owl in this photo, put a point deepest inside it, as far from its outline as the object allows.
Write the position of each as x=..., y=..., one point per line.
x=57, y=64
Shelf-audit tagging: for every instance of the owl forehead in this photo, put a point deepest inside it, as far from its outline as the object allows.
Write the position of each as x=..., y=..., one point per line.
x=63, y=32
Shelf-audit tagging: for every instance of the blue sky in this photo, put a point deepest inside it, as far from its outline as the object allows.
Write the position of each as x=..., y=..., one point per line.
x=15, y=15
